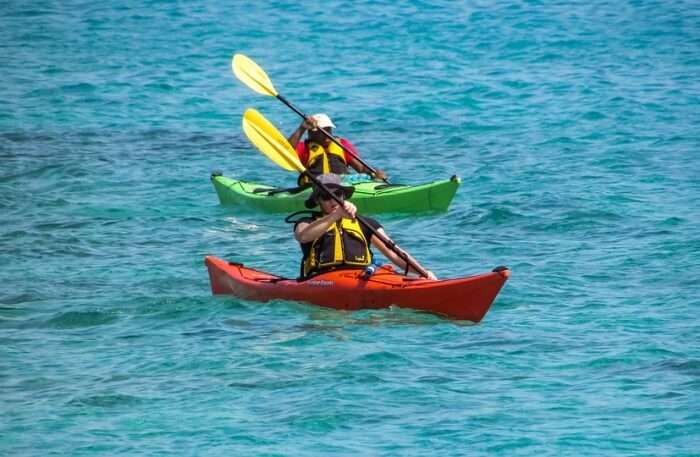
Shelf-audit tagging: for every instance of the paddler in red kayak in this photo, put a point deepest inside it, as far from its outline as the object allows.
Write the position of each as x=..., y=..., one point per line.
x=334, y=238
x=320, y=155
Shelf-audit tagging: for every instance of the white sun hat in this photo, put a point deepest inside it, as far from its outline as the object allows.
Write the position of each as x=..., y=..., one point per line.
x=323, y=121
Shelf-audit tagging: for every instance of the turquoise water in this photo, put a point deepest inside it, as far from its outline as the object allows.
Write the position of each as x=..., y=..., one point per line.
x=573, y=125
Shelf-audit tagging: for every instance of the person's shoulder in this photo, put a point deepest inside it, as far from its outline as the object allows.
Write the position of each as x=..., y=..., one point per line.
x=348, y=144
x=345, y=142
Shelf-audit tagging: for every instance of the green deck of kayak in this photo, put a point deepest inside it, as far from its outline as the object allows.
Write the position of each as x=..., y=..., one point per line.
x=369, y=197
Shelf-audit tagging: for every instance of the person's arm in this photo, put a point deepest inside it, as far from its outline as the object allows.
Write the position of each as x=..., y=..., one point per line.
x=306, y=232
x=355, y=164
x=307, y=124
x=394, y=257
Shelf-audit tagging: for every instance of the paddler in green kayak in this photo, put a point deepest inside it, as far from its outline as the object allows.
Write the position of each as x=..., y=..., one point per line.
x=334, y=238
x=320, y=155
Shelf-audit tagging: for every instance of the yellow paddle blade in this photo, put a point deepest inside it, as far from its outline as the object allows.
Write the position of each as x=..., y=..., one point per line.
x=270, y=141
x=250, y=74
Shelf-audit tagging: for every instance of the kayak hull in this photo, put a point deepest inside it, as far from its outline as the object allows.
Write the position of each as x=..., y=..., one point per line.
x=467, y=298
x=370, y=197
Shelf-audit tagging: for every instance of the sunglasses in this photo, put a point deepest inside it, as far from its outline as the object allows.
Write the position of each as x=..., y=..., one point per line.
x=316, y=133
x=339, y=194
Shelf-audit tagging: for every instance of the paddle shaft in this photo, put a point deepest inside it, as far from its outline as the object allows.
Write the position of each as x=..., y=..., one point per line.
x=329, y=136
x=390, y=244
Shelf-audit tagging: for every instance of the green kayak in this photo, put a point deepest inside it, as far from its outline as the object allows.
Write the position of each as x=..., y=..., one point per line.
x=369, y=197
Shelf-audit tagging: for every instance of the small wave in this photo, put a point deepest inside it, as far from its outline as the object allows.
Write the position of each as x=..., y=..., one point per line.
x=690, y=367
x=106, y=401
x=594, y=116
x=81, y=319
x=494, y=215
x=16, y=300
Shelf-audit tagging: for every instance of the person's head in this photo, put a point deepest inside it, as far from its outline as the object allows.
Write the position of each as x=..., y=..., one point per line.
x=321, y=198
x=322, y=122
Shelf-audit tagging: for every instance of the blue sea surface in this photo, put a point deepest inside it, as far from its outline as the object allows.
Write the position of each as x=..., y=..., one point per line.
x=575, y=127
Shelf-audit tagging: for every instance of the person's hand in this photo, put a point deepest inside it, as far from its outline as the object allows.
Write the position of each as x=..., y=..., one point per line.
x=309, y=123
x=348, y=210
x=379, y=174
x=431, y=275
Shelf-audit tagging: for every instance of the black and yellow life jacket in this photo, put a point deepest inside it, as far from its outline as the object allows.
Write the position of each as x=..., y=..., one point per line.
x=324, y=160
x=343, y=244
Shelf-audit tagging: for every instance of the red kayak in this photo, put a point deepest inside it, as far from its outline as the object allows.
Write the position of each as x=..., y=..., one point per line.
x=466, y=298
